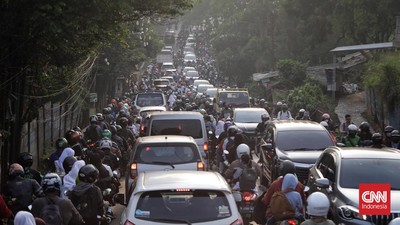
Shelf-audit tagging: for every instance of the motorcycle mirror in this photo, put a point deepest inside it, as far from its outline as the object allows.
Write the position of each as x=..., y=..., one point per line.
x=226, y=152
x=322, y=183
x=267, y=147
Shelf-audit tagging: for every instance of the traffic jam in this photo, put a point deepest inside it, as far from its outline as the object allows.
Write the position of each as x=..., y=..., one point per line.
x=187, y=141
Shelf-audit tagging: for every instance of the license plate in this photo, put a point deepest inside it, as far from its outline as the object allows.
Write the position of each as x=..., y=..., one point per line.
x=246, y=209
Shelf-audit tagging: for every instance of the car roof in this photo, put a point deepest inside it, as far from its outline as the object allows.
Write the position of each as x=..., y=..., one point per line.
x=366, y=152
x=205, y=85
x=297, y=125
x=165, y=139
x=161, y=79
x=168, y=63
x=145, y=108
x=248, y=109
x=181, y=179
x=176, y=114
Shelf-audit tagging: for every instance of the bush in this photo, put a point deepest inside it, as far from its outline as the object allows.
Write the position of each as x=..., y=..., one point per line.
x=292, y=72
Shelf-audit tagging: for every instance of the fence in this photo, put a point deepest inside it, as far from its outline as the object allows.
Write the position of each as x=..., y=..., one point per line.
x=38, y=136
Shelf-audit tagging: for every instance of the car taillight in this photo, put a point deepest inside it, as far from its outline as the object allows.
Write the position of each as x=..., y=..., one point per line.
x=142, y=128
x=200, y=166
x=127, y=222
x=133, y=170
x=247, y=196
x=237, y=222
x=205, y=146
x=291, y=222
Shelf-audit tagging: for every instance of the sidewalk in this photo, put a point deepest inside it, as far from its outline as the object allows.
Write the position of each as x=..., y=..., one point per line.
x=354, y=105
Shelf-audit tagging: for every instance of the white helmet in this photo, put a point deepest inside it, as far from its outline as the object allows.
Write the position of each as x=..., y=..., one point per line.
x=318, y=204
x=302, y=110
x=324, y=123
x=395, y=221
x=279, y=103
x=105, y=144
x=242, y=149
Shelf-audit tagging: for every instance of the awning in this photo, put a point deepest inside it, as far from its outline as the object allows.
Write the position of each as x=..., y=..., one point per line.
x=261, y=76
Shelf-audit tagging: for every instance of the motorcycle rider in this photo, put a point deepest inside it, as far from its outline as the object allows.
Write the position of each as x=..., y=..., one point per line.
x=351, y=139
x=317, y=208
x=93, y=131
x=263, y=124
x=365, y=134
x=288, y=187
x=60, y=144
x=284, y=114
x=377, y=141
x=25, y=159
x=286, y=167
x=395, y=139
x=387, y=135
x=234, y=170
x=326, y=125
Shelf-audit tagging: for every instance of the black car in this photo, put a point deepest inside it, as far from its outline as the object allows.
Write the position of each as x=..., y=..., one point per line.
x=338, y=173
x=297, y=140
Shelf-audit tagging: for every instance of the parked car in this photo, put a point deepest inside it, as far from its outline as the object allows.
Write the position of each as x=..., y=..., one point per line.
x=181, y=197
x=247, y=120
x=300, y=141
x=338, y=173
x=165, y=152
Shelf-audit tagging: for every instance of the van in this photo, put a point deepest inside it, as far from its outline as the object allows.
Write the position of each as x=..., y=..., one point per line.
x=179, y=123
x=150, y=99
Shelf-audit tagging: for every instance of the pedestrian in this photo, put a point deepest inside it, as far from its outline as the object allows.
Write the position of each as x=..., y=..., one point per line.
x=345, y=124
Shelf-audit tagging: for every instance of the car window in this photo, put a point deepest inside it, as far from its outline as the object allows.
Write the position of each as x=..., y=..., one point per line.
x=194, y=206
x=192, y=73
x=174, y=154
x=236, y=99
x=184, y=127
x=327, y=167
x=363, y=171
x=248, y=116
x=149, y=99
x=161, y=82
x=290, y=140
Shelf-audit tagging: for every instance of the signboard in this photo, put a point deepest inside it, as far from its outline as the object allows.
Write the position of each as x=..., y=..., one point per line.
x=93, y=97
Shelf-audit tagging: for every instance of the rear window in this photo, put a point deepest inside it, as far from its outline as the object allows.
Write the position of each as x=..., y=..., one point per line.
x=161, y=82
x=194, y=206
x=203, y=88
x=303, y=140
x=248, y=116
x=192, y=73
x=191, y=128
x=175, y=154
x=236, y=99
x=149, y=99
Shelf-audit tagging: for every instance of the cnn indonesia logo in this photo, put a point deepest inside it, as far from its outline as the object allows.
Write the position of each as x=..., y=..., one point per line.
x=374, y=199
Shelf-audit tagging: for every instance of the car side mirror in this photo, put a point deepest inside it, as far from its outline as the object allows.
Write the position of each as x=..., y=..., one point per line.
x=267, y=147
x=340, y=144
x=120, y=199
x=322, y=183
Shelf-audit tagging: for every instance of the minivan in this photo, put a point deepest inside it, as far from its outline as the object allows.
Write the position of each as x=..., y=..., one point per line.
x=179, y=123
x=150, y=99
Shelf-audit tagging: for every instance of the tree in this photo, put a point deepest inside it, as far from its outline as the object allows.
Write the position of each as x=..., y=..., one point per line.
x=293, y=72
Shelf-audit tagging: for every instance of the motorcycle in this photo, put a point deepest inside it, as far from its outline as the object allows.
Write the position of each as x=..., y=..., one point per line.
x=245, y=201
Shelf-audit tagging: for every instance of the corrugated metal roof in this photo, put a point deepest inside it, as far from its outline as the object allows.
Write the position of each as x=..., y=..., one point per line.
x=363, y=47
x=260, y=76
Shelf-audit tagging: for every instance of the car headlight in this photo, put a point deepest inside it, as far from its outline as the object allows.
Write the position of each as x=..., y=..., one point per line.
x=349, y=212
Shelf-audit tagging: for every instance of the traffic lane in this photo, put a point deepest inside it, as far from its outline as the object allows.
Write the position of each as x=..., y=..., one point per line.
x=118, y=209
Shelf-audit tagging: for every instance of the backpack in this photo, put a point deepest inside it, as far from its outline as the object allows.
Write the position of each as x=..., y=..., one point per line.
x=259, y=210
x=51, y=213
x=248, y=178
x=85, y=205
x=280, y=206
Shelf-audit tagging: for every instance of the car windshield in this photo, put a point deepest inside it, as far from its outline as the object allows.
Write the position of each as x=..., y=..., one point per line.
x=248, y=116
x=203, y=88
x=236, y=99
x=184, y=127
x=149, y=99
x=173, y=153
x=212, y=92
x=190, y=57
x=161, y=82
x=183, y=206
x=292, y=140
x=367, y=171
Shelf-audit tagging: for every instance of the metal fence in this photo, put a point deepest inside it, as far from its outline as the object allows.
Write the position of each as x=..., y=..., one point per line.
x=38, y=136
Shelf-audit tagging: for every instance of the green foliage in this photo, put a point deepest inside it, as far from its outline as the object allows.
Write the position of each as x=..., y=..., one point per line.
x=384, y=75
x=293, y=72
x=309, y=97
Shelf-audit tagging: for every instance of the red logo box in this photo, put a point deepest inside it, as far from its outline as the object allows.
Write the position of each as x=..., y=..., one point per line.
x=374, y=199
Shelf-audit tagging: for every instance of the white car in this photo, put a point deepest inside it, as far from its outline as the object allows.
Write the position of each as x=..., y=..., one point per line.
x=181, y=197
x=145, y=110
x=189, y=58
x=187, y=68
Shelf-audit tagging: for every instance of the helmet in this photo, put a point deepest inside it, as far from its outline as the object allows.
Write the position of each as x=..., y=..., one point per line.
x=68, y=163
x=302, y=110
x=325, y=116
x=51, y=182
x=106, y=133
x=100, y=116
x=227, y=125
x=123, y=121
x=264, y=117
x=61, y=143
x=242, y=149
x=25, y=159
x=262, y=101
x=364, y=126
x=77, y=129
x=377, y=139
x=203, y=111
x=105, y=144
x=395, y=221
x=72, y=137
x=325, y=124
x=232, y=131
x=352, y=129
x=284, y=106
x=388, y=129
x=286, y=167
x=279, y=103
x=113, y=129
x=88, y=173
x=318, y=204
x=93, y=119
x=395, y=133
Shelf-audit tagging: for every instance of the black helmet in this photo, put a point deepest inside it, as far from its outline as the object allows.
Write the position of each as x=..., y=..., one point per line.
x=388, y=129
x=77, y=129
x=395, y=133
x=51, y=182
x=364, y=126
x=286, y=167
x=377, y=139
x=123, y=121
x=88, y=173
x=25, y=159
x=68, y=163
x=93, y=119
x=232, y=131
x=113, y=129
